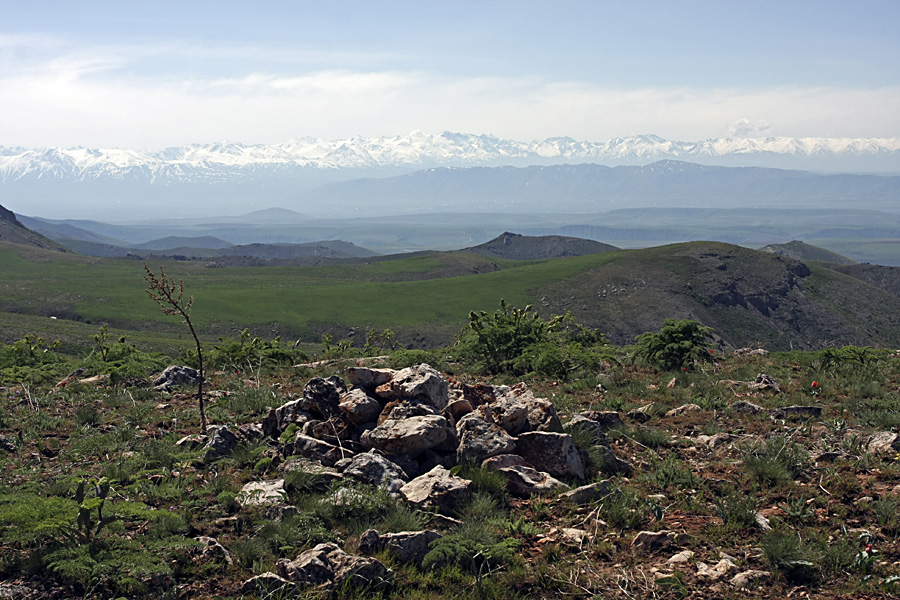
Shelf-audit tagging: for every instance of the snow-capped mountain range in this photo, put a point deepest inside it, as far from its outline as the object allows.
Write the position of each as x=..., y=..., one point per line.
x=321, y=160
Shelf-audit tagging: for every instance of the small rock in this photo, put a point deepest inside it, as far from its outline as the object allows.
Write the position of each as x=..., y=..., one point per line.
x=411, y=436
x=269, y=584
x=220, y=444
x=258, y=493
x=525, y=481
x=681, y=558
x=358, y=407
x=650, y=541
x=375, y=469
x=501, y=461
x=587, y=494
x=882, y=442
x=640, y=415
x=7, y=444
x=742, y=406
x=318, y=450
x=717, y=571
x=749, y=578
x=762, y=522
x=479, y=439
x=406, y=546
x=714, y=441
x=684, y=408
x=369, y=379
x=608, y=419
x=212, y=550
x=803, y=412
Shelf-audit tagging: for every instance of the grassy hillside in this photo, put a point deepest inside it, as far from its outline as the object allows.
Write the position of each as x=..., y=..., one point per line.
x=521, y=247
x=732, y=491
x=749, y=297
x=803, y=251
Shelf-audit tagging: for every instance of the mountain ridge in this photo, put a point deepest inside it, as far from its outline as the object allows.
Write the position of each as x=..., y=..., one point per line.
x=215, y=162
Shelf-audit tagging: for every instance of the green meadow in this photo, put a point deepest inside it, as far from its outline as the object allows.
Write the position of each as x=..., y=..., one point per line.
x=426, y=297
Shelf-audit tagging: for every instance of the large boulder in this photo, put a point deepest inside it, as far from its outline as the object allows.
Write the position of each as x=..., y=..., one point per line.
x=278, y=419
x=421, y=383
x=318, y=450
x=221, y=442
x=323, y=396
x=479, y=439
x=438, y=489
x=553, y=453
x=329, y=567
x=411, y=436
x=367, y=378
x=406, y=546
x=375, y=469
x=506, y=410
x=359, y=408
x=176, y=375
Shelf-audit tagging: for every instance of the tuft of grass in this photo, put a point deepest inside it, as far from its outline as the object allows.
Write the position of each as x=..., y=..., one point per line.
x=787, y=553
x=775, y=460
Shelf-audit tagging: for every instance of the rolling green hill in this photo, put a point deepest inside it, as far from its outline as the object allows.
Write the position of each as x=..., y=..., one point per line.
x=521, y=247
x=749, y=297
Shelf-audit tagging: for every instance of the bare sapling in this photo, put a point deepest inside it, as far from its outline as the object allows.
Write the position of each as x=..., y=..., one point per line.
x=170, y=298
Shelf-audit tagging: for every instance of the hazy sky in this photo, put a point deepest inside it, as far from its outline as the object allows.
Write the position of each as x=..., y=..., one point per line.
x=154, y=73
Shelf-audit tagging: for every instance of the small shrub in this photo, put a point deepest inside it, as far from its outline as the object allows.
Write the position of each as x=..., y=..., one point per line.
x=669, y=472
x=650, y=437
x=472, y=555
x=263, y=465
x=289, y=434
x=679, y=345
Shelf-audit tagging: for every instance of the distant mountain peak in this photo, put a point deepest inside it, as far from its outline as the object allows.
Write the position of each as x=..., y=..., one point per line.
x=221, y=161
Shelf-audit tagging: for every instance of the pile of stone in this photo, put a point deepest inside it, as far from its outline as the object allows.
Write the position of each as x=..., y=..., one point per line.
x=406, y=429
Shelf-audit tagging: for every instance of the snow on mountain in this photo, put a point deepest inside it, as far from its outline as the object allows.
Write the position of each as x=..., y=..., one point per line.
x=223, y=162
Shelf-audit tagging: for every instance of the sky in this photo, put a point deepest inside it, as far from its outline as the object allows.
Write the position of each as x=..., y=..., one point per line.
x=152, y=74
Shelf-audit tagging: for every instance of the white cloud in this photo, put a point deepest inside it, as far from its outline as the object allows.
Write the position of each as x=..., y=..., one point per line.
x=107, y=97
x=744, y=128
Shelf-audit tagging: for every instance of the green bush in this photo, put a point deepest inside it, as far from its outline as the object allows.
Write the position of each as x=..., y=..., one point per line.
x=253, y=353
x=678, y=345
x=471, y=555
x=518, y=341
